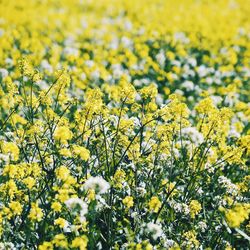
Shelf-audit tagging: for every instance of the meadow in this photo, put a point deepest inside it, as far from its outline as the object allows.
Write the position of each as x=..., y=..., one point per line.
x=124, y=124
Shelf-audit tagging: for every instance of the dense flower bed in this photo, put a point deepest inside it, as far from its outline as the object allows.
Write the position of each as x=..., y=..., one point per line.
x=124, y=124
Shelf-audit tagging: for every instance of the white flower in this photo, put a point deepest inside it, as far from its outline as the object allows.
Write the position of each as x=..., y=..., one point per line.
x=154, y=229
x=202, y=71
x=160, y=57
x=193, y=134
x=168, y=243
x=226, y=183
x=192, y=61
x=95, y=75
x=128, y=25
x=74, y=203
x=89, y=63
x=98, y=184
x=46, y=66
x=159, y=99
x=67, y=227
x=83, y=76
x=9, y=61
x=202, y=226
x=188, y=85
x=179, y=92
x=233, y=133
x=70, y=51
x=4, y=72
x=1, y=32
x=42, y=84
x=126, y=42
x=141, y=191
x=216, y=99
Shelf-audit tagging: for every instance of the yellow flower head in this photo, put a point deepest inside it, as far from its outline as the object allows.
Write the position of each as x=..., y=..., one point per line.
x=36, y=213
x=195, y=208
x=63, y=134
x=154, y=204
x=128, y=201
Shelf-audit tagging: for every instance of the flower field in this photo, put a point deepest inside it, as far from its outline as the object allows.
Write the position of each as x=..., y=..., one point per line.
x=124, y=124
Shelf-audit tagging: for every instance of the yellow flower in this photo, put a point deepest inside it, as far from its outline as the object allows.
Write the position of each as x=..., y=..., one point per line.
x=238, y=214
x=119, y=178
x=62, y=173
x=29, y=182
x=65, y=152
x=12, y=149
x=128, y=201
x=61, y=222
x=195, y=208
x=205, y=105
x=63, y=133
x=25, y=67
x=36, y=213
x=80, y=242
x=154, y=204
x=82, y=152
x=12, y=188
x=16, y=207
x=91, y=194
x=192, y=241
x=56, y=206
x=60, y=241
x=149, y=91
x=46, y=246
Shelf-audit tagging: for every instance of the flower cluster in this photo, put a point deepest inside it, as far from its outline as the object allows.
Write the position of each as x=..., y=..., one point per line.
x=124, y=124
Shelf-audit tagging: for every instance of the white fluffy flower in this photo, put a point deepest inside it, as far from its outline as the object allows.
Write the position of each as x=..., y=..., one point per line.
x=76, y=203
x=46, y=66
x=4, y=72
x=202, y=226
x=154, y=229
x=70, y=51
x=98, y=184
x=202, y=71
x=160, y=57
x=188, y=85
x=226, y=183
x=126, y=42
x=193, y=134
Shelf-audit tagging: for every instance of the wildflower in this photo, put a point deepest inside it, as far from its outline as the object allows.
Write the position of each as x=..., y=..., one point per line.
x=119, y=178
x=190, y=240
x=195, y=208
x=25, y=67
x=91, y=195
x=98, y=184
x=82, y=152
x=29, y=182
x=60, y=241
x=61, y=222
x=36, y=213
x=16, y=207
x=154, y=204
x=65, y=152
x=46, y=246
x=63, y=134
x=63, y=173
x=238, y=214
x=12, y=149
x=149, y=91
x=77, y=205
x=128, y=201
x=80, y=242
x=56, y=206
x=155, y=230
